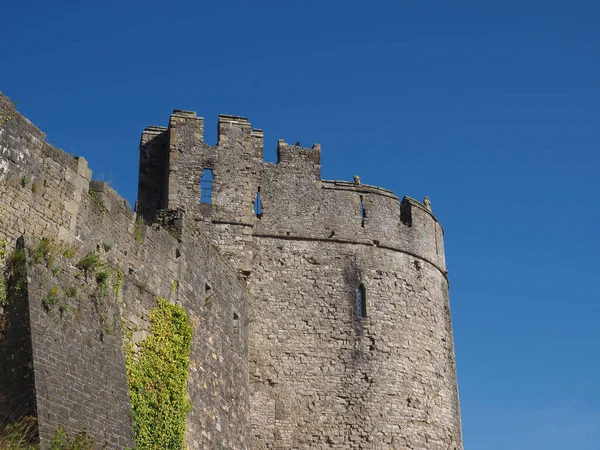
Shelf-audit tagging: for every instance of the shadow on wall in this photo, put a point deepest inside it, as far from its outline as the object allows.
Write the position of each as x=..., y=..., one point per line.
x=356, y=298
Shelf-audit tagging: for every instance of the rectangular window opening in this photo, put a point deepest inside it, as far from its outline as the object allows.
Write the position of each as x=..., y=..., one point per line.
x=361, y=301
x=363, y=212
x=258, y=204
x=206, y=186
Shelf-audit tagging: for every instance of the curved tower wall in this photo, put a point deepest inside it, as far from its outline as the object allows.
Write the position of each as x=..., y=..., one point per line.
x=321, y=376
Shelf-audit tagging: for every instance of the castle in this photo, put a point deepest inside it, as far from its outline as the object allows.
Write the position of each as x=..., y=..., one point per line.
x=319, y=309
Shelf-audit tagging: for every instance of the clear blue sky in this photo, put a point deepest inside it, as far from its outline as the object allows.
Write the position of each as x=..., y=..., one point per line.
x=490, y=108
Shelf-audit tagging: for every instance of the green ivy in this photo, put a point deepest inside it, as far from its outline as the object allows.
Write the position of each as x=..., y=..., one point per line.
x=137, y=231
x=157, y=374
x=174, y=286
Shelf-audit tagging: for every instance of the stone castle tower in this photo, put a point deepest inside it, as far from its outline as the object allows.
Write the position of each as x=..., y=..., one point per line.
x=349, y=335
x=328, y=324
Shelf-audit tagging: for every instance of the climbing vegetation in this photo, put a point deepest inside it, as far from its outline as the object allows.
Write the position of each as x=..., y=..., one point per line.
x=157, y=371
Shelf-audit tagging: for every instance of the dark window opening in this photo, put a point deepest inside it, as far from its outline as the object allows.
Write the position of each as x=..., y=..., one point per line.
x=206, y=186
x=361, y=301
x=406, y=213
x=208, y=293
x=258, y=204
x=236, y=324
x=363, y=212
x=245, y=273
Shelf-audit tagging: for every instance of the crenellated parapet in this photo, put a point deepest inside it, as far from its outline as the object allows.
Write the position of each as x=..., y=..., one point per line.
x=306, y=162
x=340, y=211
x=295, y=202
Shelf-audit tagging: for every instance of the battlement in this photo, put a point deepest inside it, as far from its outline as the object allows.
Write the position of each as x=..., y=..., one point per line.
x=237, y=120
x=294, y=201
x=187, y=126
x=155, y=129
x=184, y=113
x=298, y=155
x=266, y=260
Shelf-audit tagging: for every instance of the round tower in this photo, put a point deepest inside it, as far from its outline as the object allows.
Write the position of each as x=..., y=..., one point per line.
x=350, y=342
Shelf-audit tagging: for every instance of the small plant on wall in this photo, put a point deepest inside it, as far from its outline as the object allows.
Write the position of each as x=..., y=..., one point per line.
x=20, y=435
x=65, y=441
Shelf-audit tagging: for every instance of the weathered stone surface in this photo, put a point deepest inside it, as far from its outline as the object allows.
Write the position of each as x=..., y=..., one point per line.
x=320, y=376
x=281, y=355
x=66, y=369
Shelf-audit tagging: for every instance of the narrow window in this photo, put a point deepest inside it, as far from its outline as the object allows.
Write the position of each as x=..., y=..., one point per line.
x=363, y=212
x=206, y=186
x=236, y=324
x=406, y=213
x=258, y=204
x=208, y=293
x=361, y=301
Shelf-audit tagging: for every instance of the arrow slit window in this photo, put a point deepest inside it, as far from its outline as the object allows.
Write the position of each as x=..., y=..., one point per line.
x=361, y=301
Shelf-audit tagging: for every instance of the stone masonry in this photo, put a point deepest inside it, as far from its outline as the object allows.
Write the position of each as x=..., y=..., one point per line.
x=329, y=327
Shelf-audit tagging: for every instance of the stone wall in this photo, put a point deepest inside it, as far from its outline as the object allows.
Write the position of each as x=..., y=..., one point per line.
x=17, y=384
x=295, y=201
x=322, y=376
x=281, y=356
x=236, y=162
x=79, y=368
x=47, y=193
